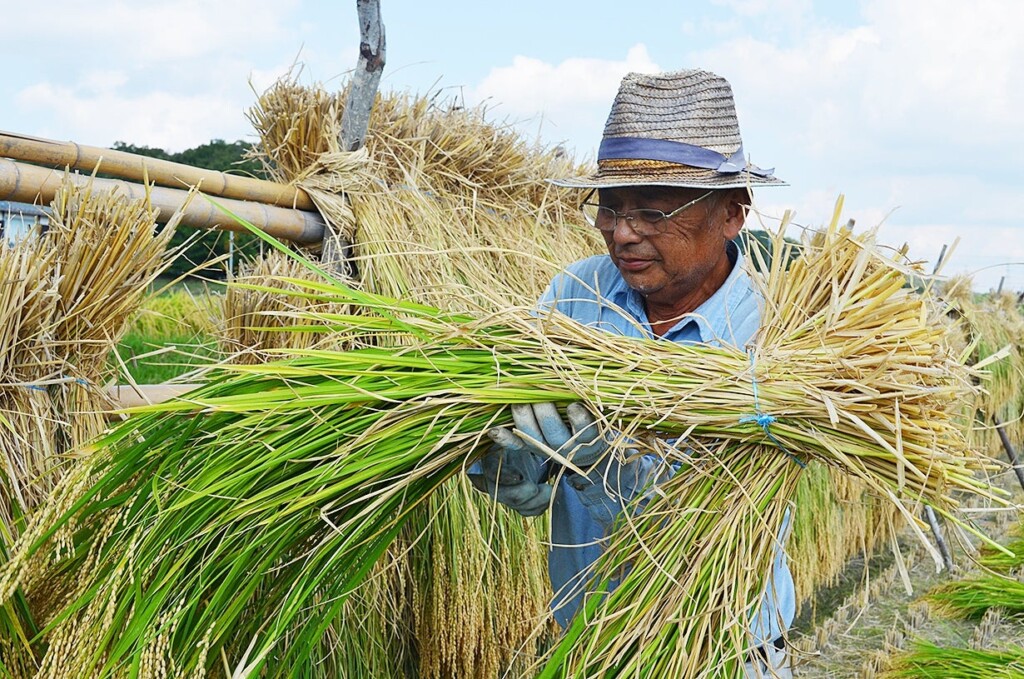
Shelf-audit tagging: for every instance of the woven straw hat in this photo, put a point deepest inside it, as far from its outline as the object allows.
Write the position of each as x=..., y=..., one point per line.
x=673, y=129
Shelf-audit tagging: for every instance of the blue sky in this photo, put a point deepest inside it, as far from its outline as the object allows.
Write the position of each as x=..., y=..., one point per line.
x=911, y=108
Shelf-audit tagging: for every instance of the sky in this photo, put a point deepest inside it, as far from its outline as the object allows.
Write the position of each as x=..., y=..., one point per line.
x=911, y=109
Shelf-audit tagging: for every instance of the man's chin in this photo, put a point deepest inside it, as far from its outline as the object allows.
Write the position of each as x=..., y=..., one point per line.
x=639, y=283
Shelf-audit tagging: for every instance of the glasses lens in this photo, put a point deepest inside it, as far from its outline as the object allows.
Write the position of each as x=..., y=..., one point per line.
x=599, y=216
x=590, y=213
x=647, y=216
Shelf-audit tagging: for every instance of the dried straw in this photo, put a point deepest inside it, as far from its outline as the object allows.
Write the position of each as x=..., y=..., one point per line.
x=67, y=297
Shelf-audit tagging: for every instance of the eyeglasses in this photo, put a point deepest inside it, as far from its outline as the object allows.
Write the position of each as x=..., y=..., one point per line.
x=644, y=221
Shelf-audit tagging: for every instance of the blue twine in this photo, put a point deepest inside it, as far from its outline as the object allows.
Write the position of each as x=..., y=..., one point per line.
x=764, y=420
x=76, y=380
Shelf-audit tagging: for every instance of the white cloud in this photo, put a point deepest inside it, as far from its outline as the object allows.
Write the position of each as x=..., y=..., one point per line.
x=152, y=31
x=160, y=119
x=574, y=94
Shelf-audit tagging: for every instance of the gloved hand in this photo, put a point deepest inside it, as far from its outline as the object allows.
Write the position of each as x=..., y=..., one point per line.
x=516, y=467
x=513, y=475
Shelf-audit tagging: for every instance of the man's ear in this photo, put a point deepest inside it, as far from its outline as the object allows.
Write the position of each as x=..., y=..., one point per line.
x=735, y=206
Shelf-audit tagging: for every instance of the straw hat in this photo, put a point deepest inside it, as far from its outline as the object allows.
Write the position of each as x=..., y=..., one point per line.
x=673, y=129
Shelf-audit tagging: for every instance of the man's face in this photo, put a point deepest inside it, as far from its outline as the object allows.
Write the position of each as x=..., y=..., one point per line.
x=676, y=263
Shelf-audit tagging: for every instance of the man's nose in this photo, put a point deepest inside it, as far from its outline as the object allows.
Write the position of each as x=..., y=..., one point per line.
x=624, y=231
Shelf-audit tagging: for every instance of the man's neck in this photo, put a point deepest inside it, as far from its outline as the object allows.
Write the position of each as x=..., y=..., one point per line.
x=662, y=317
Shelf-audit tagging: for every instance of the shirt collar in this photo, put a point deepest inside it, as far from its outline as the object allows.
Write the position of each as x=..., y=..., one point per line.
x=711, y=320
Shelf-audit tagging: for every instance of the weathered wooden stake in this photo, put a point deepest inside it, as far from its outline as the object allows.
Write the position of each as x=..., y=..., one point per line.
x=1010, y=452
x=942, y=256
x=366, y=78
x=933, y=521
x=355, y=119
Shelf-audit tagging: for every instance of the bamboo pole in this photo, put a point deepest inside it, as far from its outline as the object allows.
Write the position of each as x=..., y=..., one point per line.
x=33, y=184
x=133, y=167
x=133, y=395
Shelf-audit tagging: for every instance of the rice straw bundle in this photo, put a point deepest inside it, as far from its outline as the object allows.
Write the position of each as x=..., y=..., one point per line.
x=227, y=528
x=28, y=362
x=929, y=661
x=447, y=209
x=110, y=251
x=441, y=196
x=68, y=297
x=994, y=325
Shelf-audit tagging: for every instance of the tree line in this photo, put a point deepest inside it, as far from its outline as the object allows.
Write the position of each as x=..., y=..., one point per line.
x=208, y=246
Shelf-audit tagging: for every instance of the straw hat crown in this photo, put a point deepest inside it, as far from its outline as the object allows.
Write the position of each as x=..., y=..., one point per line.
x=673, y=129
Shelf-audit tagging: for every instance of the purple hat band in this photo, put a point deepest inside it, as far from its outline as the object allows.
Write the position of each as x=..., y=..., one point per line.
x=641, y=148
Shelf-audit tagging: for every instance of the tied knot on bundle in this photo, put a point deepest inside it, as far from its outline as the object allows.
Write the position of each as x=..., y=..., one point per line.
x=765, y=420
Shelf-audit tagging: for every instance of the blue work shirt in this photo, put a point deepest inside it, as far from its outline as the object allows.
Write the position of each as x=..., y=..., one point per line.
x=593, y=292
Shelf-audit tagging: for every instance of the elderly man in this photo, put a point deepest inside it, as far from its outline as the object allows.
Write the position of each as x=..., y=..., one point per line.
x=672, y=190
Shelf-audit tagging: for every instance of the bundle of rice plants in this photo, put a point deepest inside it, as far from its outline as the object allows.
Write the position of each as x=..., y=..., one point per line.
x=29, y=364
x=972, y=597
x=446, y=208
x=1000, y=560
x=260, y=308
x=993, y=325
x=226, y=529
x=110, y=250
x=930, y=661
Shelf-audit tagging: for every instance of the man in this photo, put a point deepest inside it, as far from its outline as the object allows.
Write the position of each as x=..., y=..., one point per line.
x=672, y=190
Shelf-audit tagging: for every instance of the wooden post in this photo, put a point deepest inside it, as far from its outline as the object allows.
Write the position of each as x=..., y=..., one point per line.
x=942, y=256
x=1010, y=452
x=366, y=78
x=933, y=521
x=355, y=120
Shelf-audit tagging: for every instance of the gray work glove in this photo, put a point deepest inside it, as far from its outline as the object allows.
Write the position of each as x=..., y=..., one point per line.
x=516, y=468
x=513, y=475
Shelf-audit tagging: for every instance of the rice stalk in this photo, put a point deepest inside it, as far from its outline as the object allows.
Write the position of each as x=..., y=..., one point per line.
x=229, y=527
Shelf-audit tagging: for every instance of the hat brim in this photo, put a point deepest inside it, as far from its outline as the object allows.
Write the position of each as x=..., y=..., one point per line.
x=690, y=178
